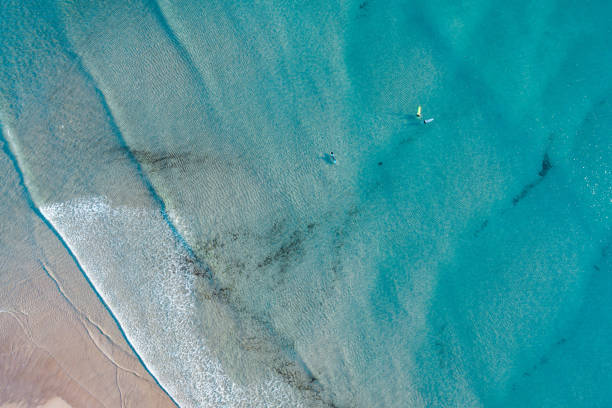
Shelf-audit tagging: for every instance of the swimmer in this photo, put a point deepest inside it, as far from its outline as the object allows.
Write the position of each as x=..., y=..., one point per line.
x=331, y=154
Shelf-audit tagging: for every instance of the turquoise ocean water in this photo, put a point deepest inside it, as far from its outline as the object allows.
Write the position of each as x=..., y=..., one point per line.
x=179, y=150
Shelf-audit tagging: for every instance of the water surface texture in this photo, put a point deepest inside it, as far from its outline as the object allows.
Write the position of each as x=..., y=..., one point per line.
x=179, y=148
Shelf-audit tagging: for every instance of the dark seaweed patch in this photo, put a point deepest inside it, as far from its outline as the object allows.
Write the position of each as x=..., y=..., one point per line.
x=251, y=343
x=523, y=193
x=277, y=228
x=158, y=161
x=484, y=225
x=195, y=267
x=287, y=253
x=301, y=379
x=290, y=251
x=202, y=272
x=605, y=251
x=208, y=246
x=340, y=234
x=291, y=373
x=155, y=161
x=546, y=166
x=264, y=343
x=441, y=350
x=542, y=361
x=222, y=294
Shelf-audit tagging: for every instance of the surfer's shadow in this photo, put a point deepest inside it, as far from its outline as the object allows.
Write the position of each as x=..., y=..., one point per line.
x=409, y=122
x=412, y=130
x=406, y=118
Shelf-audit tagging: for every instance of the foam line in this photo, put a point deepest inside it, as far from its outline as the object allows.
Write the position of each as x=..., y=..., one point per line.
x=6, y=148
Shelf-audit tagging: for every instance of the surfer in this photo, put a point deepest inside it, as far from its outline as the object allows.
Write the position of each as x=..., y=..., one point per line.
x=419, y=112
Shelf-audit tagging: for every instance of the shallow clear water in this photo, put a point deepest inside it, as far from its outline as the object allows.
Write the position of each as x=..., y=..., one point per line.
x=180, y=151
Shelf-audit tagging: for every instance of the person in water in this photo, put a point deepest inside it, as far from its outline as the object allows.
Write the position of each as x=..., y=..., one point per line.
x=331, y=154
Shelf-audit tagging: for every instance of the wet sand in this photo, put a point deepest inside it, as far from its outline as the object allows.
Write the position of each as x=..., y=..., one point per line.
x=59, y=346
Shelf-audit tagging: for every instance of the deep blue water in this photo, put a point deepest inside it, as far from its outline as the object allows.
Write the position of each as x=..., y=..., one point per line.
x=179, y=151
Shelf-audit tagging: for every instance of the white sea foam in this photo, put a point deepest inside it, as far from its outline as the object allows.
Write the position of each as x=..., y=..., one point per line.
x=136, y=265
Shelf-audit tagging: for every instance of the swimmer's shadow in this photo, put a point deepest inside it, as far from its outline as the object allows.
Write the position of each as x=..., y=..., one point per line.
x=327, y=158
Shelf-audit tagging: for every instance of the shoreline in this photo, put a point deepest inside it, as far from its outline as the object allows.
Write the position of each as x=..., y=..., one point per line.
x=32, y=206
x=60, y=345
x=59, y=348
